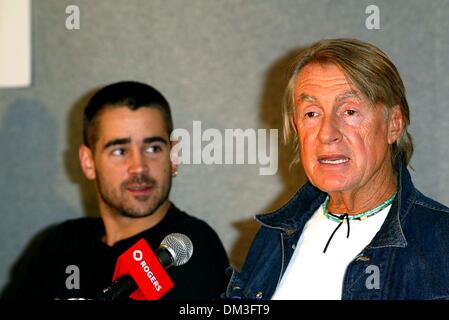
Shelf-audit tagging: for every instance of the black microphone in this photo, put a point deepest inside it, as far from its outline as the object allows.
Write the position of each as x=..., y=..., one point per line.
x=140, y=272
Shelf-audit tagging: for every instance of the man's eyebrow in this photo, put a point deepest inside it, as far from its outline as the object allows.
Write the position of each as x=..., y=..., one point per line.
x=348, y=94
x=306, y=98
x=119, y=141
x=122, y=141
x=155, y=139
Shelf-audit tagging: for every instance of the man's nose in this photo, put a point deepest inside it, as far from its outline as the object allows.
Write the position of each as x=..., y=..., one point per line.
x=330, y=130
x=137, y=163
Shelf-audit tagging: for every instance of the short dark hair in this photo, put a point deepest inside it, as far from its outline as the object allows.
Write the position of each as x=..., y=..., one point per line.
x=130, y=94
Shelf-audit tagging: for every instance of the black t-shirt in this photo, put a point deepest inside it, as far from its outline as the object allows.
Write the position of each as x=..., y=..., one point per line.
x=76, y=246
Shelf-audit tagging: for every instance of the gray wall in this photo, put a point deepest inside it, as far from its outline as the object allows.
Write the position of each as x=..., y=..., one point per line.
x=221, y=62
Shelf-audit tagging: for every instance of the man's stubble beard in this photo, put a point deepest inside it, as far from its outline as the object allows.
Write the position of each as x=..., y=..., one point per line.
x=124, y=204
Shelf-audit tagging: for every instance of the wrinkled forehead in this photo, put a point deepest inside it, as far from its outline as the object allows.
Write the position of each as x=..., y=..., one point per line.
x=317, y=79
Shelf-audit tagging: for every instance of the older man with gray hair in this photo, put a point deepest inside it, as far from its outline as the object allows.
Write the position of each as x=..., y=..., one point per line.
x=358, y=229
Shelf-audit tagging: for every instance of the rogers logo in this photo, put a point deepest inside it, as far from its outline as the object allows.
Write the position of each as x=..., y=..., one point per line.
x=151, y=276
x=137, y=255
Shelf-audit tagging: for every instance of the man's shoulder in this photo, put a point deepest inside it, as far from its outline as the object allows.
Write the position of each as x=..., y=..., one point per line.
x=431, y=205
x=195, y=228
x=81, y=228
x=428, y=218
x=185, y=219
x=79, y=223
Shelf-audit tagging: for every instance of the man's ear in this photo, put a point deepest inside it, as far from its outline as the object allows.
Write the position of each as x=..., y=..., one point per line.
x=174, y=156
x=87, y=162
x=293, y=123
x=396, y=124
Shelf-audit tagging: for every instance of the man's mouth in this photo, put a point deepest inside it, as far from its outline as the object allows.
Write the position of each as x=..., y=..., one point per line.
x=333, y=160
x=139, y=188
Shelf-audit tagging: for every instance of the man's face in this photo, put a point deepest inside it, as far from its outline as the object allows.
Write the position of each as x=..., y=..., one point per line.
x=344, y=140
x=131, y=161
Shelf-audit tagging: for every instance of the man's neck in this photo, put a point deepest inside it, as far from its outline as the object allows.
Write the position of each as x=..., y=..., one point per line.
x=118, y=227
x=369, y=196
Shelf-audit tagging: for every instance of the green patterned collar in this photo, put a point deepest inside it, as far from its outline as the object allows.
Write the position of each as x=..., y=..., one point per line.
x=360, y=216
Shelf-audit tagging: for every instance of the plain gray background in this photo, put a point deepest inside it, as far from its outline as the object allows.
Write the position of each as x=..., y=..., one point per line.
x=220, y=62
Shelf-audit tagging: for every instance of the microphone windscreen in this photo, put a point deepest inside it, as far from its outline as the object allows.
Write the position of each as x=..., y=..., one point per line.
x=179, y=246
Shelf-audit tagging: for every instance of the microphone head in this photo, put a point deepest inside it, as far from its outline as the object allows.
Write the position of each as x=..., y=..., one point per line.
x=179, y=246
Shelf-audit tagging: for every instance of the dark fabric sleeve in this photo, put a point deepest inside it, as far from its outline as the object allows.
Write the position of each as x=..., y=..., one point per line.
x=204, y=275
x=30, y=273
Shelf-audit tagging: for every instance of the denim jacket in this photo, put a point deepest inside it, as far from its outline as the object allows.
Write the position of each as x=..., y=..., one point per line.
x=409, y=255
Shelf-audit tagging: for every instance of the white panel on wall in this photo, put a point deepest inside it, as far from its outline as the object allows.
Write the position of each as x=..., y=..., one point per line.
x=15, y=43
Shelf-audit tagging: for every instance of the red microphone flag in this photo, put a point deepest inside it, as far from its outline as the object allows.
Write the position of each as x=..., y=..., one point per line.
x=140, y=262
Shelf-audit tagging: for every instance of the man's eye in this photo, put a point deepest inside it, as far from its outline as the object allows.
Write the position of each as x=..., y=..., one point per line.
x=311, y=114
x=154, y=149
x=118, y=152
x=350, y=112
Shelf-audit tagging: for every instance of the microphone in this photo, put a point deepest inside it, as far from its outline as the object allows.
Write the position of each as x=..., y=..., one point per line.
x=140, y=272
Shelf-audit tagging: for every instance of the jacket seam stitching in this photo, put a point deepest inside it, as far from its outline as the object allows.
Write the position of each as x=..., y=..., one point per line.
x=429, y=206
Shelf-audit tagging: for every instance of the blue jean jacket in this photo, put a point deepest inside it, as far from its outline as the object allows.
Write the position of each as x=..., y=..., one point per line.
x=407, y=259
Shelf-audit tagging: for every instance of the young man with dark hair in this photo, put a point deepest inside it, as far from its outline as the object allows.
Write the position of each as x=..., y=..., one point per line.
x=126, y=151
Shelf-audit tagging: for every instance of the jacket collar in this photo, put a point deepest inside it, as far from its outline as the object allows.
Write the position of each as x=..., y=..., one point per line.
x=299, y=209
x=391, y=233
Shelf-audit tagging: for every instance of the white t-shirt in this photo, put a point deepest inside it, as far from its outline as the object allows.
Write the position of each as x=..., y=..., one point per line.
x=314, y=275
